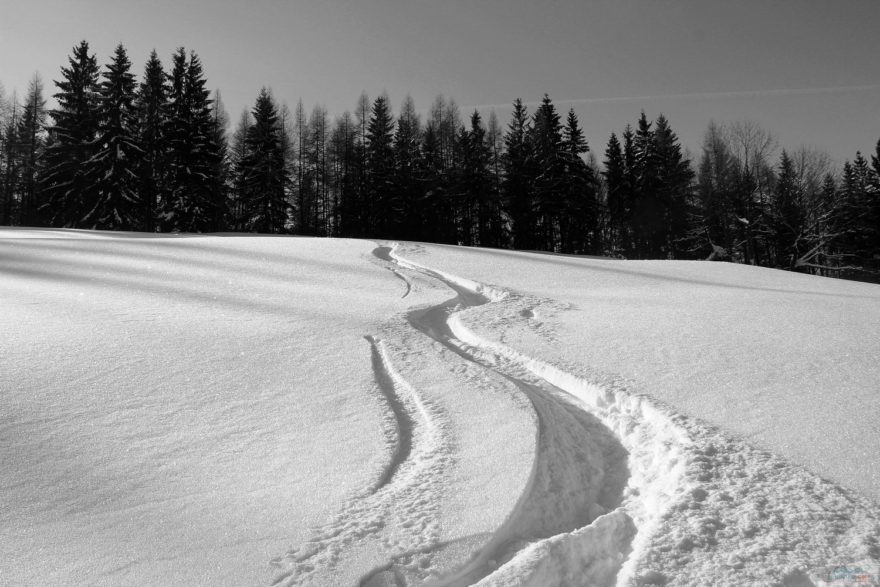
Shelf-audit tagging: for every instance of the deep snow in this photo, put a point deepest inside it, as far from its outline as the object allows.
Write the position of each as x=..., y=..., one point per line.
x=253, y=410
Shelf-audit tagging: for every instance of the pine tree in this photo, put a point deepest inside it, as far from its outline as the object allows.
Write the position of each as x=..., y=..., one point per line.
x=69, y=192
x=435, y=185
x=858, y=241
x=407, y=163
x=266, y=207
x=238, y=155
x=9, y=156
x=472, y=188
x=384, y=207
x=786, y=214
x=360, y=216
x=287, y=138
x=114, y=168
x=345, y=155
x=874, y=212
x=220, y=173
x=618, y=203
x=30, y=144
x=674, y=179
x=629, y=188
x=495, y=143
x=518, y=163
x=579, y=220
x=151, y=104
x=546, y=142
x=317, y=160
x=193, y=201
x=305, y=196
x=647, y=210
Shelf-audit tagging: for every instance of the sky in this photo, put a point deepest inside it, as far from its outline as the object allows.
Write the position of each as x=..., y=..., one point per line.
x=805, y=70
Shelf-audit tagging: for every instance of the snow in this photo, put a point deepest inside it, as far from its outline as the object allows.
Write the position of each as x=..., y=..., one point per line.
x=291, y=411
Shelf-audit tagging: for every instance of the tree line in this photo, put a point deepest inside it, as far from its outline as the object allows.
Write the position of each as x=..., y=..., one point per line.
x=154, y=155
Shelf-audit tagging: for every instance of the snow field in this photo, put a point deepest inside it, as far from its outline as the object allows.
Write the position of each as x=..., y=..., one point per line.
x=730, y=514
x=180, y=410
x=289, y=411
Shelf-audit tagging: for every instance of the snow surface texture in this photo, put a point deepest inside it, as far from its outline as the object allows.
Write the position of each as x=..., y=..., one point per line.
x=180, y=410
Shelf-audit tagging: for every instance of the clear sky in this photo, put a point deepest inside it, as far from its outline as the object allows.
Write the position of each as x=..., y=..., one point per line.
x=808, y=70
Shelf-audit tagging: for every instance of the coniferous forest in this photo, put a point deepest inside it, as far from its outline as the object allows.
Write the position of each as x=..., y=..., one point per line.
x=152, y=153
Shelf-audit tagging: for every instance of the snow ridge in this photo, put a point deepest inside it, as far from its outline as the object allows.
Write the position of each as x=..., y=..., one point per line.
x=557, y=512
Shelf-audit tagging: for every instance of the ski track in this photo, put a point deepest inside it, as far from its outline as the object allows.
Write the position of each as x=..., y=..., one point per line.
x=405, y=496
x=627, y=462
x=577, y=509
x=622, y=491
x=383, y=253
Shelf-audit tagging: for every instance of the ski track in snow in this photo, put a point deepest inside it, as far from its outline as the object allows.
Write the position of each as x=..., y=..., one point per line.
x=623, y=491
x=583, y=477
x=404, y=496
x=383, y=253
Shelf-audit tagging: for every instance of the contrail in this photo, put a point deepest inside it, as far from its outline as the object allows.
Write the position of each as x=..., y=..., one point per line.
x=702, y=95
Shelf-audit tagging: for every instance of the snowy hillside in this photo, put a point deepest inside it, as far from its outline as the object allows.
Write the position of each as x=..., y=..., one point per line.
x=292, y=411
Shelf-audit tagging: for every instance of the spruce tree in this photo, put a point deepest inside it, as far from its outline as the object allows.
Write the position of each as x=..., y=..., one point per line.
x=873, y=211
x=579, y=221
x=220, y=174
x=473, y=187
x=193, y=200
x=549, y=184
x=629, y=188
x=648, y=218
x=114, y=168
x=69, y=192
x=384, y=208
x=786, y=215
x=518, y=163
x=151, y=104
x=407, y=164
x=673, y=190
x=858, y=241
x=619, y=208
x=495, y=143
x=265, y=177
